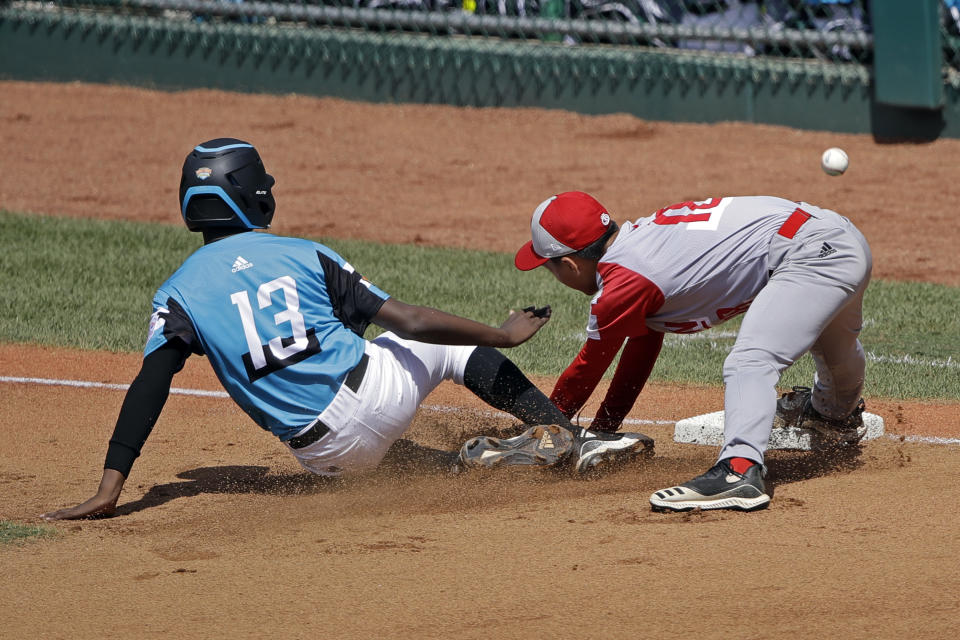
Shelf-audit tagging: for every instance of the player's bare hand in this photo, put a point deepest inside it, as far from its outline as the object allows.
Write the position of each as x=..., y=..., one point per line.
x=92, y=508
x=521, y=325
x=102, y=505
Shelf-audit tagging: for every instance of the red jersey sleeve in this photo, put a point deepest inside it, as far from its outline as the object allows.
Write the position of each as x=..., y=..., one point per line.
x=621, y=307
x=636, y=363
x=618, y=311
x=580, y=378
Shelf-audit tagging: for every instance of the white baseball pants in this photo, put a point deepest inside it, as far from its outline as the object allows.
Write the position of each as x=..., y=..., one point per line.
x=399, y=376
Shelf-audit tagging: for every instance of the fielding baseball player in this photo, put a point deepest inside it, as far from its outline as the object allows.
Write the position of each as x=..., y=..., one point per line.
x=281, y=321
x=797, y=271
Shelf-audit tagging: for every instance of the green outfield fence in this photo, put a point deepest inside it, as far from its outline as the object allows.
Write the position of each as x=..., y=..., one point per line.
x=887, y=67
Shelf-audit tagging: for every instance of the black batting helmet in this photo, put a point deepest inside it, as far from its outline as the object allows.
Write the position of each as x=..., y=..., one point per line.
x=224, y=185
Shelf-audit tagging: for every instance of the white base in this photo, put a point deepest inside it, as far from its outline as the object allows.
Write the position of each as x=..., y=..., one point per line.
x=707, y=429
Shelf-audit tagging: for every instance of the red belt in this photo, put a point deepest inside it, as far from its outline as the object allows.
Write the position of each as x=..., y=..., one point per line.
x=789, y=228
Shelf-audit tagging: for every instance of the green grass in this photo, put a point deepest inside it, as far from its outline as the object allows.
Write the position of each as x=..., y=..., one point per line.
x=89, y=284
x=83, y=283
x=12, y=532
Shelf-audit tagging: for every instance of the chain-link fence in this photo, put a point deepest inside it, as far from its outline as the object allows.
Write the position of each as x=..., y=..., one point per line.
x=951, y=41
x=510, y=46
x=826, y=30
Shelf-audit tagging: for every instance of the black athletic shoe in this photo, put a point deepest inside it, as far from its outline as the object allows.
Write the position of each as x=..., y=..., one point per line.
x=542, y=446
x=795, y=409
x=597, y=448
x=719, y=488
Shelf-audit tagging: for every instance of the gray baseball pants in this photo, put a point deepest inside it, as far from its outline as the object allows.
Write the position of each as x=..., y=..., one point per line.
x=812, y=302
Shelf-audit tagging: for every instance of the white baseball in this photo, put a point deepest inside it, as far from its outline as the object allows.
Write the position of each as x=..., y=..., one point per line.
x=834, y=161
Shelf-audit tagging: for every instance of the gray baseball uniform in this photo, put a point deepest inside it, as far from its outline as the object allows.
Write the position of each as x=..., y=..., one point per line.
x=797, y=270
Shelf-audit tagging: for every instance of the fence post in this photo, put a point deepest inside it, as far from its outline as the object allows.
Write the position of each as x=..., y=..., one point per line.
x=907, y=53
x=552, y=9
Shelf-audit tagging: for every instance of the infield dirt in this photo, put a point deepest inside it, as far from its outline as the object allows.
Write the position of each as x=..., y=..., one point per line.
x=219, y=533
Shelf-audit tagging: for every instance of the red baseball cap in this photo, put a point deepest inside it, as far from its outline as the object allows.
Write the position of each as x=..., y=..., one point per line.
x=561, y=225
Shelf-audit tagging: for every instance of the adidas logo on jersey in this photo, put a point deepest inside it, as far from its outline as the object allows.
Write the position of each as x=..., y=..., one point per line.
x=240, y=264
x=826, y=250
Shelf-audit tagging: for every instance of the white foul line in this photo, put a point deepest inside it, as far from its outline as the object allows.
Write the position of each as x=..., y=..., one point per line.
x=106, y=385
x=924, y=439
x=429, y=407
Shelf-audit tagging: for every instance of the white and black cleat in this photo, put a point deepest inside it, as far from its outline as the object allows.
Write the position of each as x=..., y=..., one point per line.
x=593, y=449
x=719, y=488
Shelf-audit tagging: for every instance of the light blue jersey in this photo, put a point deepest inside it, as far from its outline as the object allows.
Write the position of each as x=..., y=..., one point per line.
x=281, y=320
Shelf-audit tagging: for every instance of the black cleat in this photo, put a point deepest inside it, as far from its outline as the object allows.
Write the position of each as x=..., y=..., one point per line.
x=795, y=409
x=719, y=488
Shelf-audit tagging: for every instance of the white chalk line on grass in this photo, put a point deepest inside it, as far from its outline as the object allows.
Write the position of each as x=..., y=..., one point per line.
x=949, y=363
x=429, y=407
x=709, y=340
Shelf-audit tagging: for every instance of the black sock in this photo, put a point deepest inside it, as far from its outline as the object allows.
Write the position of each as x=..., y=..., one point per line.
x=497, y=381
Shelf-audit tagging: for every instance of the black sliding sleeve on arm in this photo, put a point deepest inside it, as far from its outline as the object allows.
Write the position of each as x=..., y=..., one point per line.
x=142, y=405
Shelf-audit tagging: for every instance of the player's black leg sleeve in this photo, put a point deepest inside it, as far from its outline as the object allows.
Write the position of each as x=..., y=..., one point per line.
x=498, y=382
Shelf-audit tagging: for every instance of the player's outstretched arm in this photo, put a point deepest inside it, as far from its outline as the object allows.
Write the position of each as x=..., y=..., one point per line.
x=104, y=503
x=633, y=370
x=426, y=324
x=141, y=407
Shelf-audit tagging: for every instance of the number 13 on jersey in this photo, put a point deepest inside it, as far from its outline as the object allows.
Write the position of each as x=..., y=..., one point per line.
x=279, y=352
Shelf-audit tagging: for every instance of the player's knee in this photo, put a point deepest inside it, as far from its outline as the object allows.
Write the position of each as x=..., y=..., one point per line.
x=752, y=361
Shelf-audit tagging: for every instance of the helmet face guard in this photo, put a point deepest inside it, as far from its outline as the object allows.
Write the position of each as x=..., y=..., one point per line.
x=225, y=185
